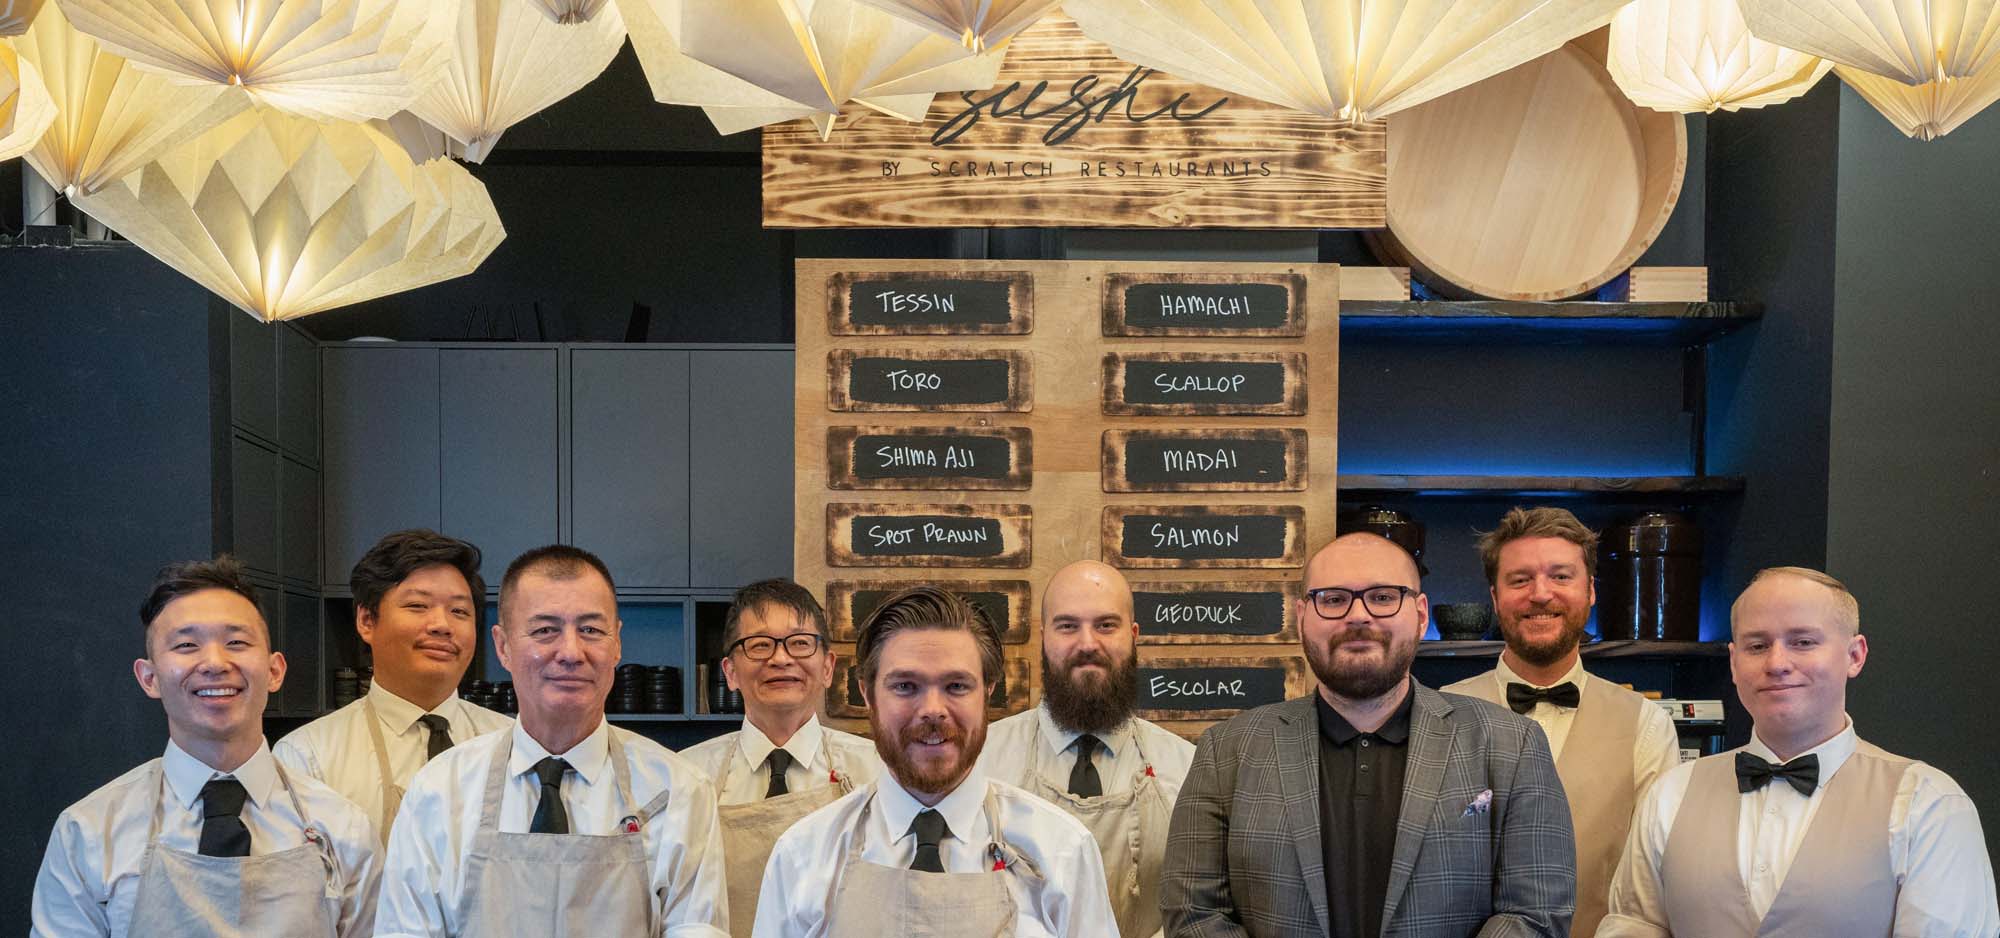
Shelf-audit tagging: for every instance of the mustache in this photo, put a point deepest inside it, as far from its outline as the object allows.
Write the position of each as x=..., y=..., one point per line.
x=1364, y=633
x=1094, y=656
x=944, y=728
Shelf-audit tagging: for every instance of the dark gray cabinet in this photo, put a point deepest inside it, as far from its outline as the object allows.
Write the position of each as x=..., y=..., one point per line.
x=298, y=395
x=381, y=449
x=253, y=483
x=740, y=477
x=500, y=426
x=253, y=375
x=629, y=462
x=298, y=521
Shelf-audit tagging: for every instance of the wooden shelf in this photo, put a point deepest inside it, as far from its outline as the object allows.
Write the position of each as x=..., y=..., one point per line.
x=1611, y=649
x=1357, y=486
x=1525, y=323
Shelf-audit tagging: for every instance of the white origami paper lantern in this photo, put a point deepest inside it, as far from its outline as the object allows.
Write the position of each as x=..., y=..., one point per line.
x=510, y=61
x=1698, y=56
x=15, y=15
x=1932, y=109
x=111, y=116
x=285, y=216
x=748, y=63
x=570, y=11
x=422, y=142
x=1912, y=41
x=349, y=60
x=976, y=24
x=26, y=110
x=1351, y=59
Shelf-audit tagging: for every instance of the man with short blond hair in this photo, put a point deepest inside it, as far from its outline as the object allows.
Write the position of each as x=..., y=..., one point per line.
x=1808, y=830
x=1609, y=743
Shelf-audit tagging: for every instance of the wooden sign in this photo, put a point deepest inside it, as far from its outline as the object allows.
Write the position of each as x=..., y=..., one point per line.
x=1205, y=384
x=1171, y=536
x=1072, y=137
x=928, y=381
x=927, y=535
x=1216, y=688
x=963, y=458
x=1267, y=305
x=1201, y=612
x=1000, y=302
x=1228, y=460
x=1005, y=603
x=1007, y=697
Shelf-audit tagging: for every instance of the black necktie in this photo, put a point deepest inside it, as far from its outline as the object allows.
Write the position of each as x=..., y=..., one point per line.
x=780, y=760
x=1523, y=698
x=931, y=831
x=1083, y=780
x=550, y=818
x=222, y=830
x=1753, y=773
x=440, y=739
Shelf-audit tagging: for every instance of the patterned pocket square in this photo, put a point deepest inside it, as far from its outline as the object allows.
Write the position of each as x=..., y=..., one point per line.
x=1480, y=805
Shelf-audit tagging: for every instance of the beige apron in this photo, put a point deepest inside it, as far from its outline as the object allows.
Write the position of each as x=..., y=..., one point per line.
x=392, y=793
x=294, y=893
x=751, y=829
x=875, y=900
x=1123, y=825
x=537, y=885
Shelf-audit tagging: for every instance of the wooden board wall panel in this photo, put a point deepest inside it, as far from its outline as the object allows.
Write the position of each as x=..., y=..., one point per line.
x=1070, y=136
x=846, y=608
x=924, y=458
x=1237, y=459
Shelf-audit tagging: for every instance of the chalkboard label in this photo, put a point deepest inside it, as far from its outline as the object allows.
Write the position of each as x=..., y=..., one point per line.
x=971, y=302
x=863, y=381
x=1005, y=603
x=1007, y=696
x=928, y=458
x=1249, y=536
x=927, y=535
x=1204, y=384
x=1212, y=688
x=1247, y=460
x=1195, y=613
x=1240, y=305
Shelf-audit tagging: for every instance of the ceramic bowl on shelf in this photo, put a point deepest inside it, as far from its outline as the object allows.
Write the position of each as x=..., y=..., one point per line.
x=1462, y=622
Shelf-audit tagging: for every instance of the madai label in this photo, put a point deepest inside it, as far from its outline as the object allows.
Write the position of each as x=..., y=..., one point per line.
x=907, y=381
x=1209, y=612
x=1166, y=687
x=926, y=535
x=1204, y=382
x=1207, y=306
x=931, y=456
x=1191, y=459
x=905, y=301
x=1204, y=537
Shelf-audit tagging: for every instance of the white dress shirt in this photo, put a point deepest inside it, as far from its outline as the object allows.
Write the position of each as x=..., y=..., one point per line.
x=338, y=750
x=424, y=876
x=1658, y=745
x=90, y=874
x=804, y=873
x=736, y=762
x=1945, y=878
x=1033, y=735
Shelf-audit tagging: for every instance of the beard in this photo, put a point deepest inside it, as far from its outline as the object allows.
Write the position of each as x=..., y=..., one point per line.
x=1359, y=681
x=1543, y=654
x=892, y=744
x=1094, y=704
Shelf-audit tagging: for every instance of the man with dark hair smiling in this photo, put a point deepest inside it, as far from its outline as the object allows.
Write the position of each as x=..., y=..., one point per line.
x=417, y=596
x=214, y=839
x=932, y=847
x=1084, y=751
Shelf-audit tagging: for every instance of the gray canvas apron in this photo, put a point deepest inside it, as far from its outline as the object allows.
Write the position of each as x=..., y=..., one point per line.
x=1122, y=824
x=294, y=893
x=537, y=885
x=392, y=793
x=751, y=829
x=872, y=899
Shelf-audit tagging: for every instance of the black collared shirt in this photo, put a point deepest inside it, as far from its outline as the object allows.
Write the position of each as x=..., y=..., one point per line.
x=1360, y=798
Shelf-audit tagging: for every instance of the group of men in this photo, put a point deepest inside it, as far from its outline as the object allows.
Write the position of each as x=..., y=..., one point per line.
x=1534, y=800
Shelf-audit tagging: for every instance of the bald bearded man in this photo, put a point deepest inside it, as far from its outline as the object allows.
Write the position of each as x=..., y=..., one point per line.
x=1082, y=748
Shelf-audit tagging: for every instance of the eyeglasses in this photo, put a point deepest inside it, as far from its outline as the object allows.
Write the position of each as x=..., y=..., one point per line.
x=799, y=645
x=1333, y=602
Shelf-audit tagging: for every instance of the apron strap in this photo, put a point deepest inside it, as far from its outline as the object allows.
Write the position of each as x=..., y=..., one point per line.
x=374, y=721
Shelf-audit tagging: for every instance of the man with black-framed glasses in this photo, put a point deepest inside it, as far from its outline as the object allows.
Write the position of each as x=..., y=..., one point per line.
x=1377, y=806
x=783, y=764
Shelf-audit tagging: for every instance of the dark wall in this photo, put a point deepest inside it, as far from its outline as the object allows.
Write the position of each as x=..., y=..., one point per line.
x=105, y=383
x=1913, y=493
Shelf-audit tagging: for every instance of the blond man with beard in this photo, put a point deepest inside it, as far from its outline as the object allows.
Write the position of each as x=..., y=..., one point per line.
x=1609, y=743
x=1084, y=751
x=933, y=847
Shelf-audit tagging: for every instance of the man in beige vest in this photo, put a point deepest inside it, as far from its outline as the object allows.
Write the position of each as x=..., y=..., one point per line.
x=1807, y=831
x=1608, y=742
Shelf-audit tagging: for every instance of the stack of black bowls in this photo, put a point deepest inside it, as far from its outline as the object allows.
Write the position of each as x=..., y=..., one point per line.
x=720, y=698
x=503, y=693
x=346, y=687
x=628, y=690
x=663, y=689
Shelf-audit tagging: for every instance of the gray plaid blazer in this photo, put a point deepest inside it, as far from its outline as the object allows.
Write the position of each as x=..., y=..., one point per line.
x=1244, y=857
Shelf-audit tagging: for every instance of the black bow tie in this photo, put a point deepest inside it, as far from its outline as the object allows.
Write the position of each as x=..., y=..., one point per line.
x=1523, y=698
x=1753, y=773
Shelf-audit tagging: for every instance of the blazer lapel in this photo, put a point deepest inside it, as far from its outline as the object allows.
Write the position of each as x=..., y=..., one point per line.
x=1423, y=778
x=1298, y=776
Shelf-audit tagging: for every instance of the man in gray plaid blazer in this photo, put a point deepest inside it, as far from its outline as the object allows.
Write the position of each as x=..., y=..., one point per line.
x=1376, y=808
